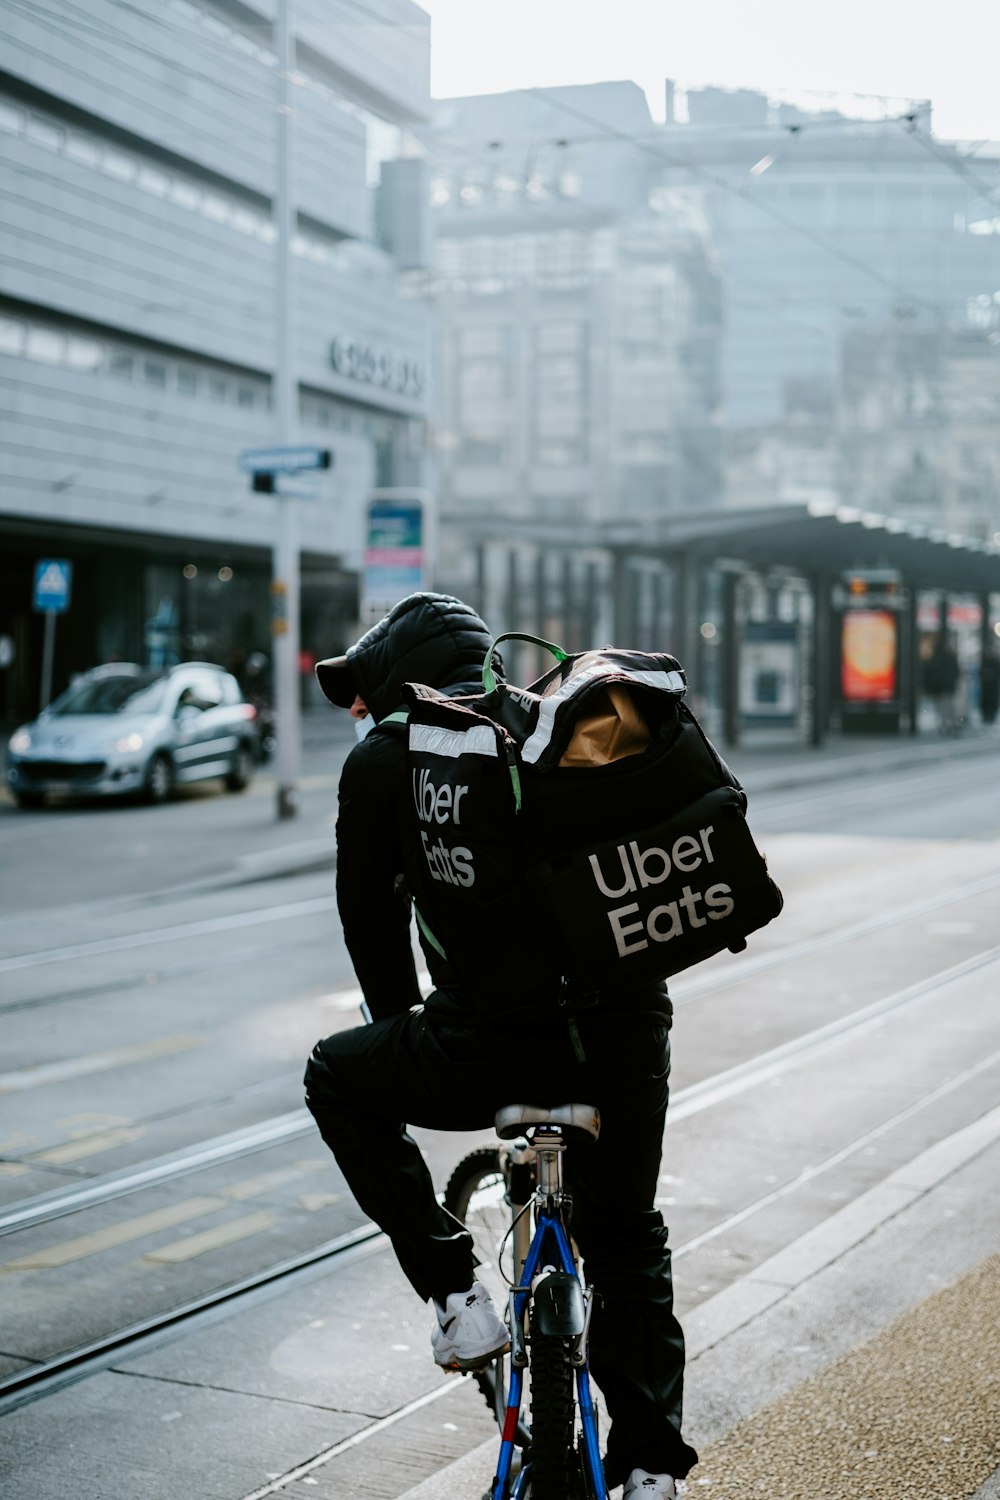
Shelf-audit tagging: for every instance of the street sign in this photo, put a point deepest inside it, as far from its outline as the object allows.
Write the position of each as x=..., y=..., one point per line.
x=53, y=577
x=284, y=460
x=282, y=484
x=395, y=562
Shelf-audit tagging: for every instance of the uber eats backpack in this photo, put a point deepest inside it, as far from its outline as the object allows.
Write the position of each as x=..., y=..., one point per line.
x=581, y=833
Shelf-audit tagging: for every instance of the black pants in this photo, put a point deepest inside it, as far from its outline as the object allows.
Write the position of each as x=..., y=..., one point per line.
x=433, y=1070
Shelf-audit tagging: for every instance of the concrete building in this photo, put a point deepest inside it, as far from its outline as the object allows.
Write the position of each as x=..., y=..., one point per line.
x=137, y=332
x=857, y=255
x=643, y=328
x=576, y=380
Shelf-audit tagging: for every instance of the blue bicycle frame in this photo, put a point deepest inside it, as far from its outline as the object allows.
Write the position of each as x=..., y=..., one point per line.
x=549, y=1237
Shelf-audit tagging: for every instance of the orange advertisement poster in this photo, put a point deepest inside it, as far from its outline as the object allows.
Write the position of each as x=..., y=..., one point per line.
x=868, y=656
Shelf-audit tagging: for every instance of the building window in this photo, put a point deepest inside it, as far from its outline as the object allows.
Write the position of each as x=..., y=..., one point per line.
x=121, y=364
x=46, y=345
x=83, y=354
x=12, y=336
x=561, y=390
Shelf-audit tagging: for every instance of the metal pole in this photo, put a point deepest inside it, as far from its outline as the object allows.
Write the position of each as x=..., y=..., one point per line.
x=731, y=659
x=48, y=651
x=285, y=584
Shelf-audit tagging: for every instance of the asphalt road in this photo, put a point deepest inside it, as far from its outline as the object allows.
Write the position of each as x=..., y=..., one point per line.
x=830, y=1160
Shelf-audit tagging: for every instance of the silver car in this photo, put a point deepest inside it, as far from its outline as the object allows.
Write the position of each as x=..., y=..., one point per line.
x=123, y=729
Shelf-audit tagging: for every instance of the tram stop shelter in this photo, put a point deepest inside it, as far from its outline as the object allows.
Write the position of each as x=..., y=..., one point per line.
x=822, y=544
x=702, y=566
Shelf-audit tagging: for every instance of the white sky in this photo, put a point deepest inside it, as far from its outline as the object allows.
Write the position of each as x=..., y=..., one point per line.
x=947, y=51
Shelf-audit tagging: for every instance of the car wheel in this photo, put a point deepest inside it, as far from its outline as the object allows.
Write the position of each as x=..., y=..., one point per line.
x=159, y=779
x=28, y=800
x=241, y=768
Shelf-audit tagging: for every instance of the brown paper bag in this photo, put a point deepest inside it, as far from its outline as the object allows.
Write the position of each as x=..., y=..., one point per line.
x=615, y=729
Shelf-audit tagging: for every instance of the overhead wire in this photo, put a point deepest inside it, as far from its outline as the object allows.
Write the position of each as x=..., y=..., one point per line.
x=954, y=162
x=762, y=206
x=603, y=132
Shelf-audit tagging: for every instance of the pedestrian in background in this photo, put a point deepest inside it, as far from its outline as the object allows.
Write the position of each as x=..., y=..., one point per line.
x=942, y=675
x=989, y=685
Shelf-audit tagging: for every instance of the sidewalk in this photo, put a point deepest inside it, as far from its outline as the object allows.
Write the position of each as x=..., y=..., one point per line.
x=770, y=766
x=761, y=762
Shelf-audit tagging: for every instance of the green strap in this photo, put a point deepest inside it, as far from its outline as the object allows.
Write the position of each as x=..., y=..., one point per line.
x=577, y=1041
x=401, y=716
x=428, y=934
x=489, y=676
x=515, y=781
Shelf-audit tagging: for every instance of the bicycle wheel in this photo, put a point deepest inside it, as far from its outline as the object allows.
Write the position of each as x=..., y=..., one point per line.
x=475, y=1194
x=555, y=1471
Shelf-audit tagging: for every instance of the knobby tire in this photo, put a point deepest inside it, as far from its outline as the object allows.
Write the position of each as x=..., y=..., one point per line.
x=555, y=1473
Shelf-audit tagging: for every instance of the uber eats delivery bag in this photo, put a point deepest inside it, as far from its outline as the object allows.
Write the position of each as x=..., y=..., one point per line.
x=586, y=821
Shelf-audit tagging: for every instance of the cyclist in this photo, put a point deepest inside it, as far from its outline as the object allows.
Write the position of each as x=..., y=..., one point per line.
x=445, y=1064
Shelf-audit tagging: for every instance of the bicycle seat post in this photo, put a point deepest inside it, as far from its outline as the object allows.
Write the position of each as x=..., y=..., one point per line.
x=549, y=1144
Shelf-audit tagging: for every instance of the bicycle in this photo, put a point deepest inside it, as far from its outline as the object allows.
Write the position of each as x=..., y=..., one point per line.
x=557, y=1456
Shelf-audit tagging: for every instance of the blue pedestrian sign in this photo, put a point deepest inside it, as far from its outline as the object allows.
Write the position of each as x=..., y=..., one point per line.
x=53, y=577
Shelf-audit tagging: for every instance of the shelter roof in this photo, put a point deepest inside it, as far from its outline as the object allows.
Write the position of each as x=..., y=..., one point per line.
x=821, y=536
x=810, y=538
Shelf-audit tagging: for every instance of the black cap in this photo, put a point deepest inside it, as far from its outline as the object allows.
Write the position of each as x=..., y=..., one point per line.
x=337, y=680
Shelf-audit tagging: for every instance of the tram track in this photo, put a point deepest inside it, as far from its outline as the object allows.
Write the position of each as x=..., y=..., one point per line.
x=681, y=991
x=767, y=806
x=42, y=1379
x=54, y=1204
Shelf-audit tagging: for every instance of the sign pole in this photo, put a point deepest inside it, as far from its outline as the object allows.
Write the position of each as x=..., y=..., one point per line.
x=285, y=584
x=48, y=652
x=53, y=578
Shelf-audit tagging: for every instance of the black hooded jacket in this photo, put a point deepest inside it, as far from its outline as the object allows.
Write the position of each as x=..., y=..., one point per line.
x=433, y=639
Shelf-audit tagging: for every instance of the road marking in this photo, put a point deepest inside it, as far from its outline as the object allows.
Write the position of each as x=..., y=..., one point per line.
x=249, y=1187
x=89, y=1145
x=114, y=1234
x=120, y=1234
x=213, y=1239
x=17, y=1144
x=313, y=1202
x=94, y=1062
x=168, y=934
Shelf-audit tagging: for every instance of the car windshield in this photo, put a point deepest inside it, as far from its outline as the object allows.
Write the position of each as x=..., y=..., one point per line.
x=132, y=693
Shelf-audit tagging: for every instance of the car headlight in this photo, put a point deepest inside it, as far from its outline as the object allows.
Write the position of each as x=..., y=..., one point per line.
x=127, y=742
x=20, y=742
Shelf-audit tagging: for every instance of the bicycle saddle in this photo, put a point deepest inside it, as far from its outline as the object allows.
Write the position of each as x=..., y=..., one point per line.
x=580, y=1120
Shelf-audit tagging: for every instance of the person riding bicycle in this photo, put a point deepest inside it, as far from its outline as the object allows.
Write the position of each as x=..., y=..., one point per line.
x=446, y=1064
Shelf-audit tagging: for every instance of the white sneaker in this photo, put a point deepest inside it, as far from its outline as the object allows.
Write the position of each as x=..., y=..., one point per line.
x=642, y=1486
x=469, y=1333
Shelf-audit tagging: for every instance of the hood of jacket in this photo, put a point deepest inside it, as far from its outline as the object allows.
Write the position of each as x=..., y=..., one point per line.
x=435, y=639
